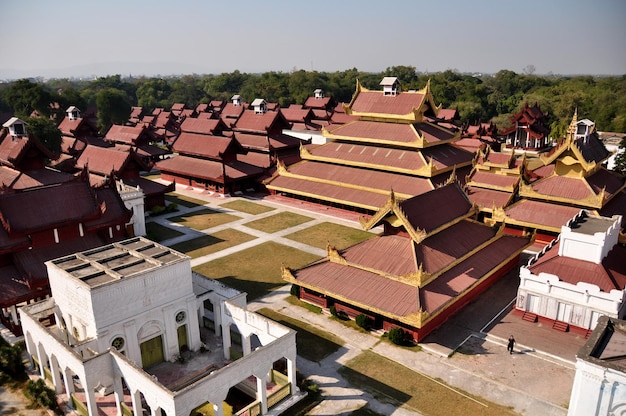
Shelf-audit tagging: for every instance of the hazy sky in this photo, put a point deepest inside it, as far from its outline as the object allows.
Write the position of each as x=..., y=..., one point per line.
x=63, y=38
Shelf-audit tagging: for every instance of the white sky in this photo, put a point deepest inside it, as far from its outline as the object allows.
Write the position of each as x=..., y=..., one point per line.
x=63, y=38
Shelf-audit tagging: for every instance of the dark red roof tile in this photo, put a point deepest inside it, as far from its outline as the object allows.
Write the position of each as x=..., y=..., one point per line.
x=609, y=275
x=543, y=214
x=376, y=102
x=432, y=210
x=103, y=160
x=30, y=210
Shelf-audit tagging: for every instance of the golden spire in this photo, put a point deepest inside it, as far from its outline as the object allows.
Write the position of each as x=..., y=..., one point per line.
x=571, y=131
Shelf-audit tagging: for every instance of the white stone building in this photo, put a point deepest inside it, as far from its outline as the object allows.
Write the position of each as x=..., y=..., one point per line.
x=578, y=277
x=131, y=325
x=600, y=382
x=133, y=198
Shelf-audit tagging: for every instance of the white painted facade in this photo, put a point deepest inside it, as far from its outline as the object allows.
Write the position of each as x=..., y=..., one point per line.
x=133, y=198
x=110, y=302
x=599, y=387
x=316, y=137
x=579, y=304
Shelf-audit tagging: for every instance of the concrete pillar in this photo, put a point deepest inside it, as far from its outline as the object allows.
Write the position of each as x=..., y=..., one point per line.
x=92, y=406
x=56, y=375
x=69, y=385
x=245, y=344
x=291, y=375
x=193, y=326
x=226, y=341
x=118, y=392
x=131, y=345
x=261, y=393
x=14, y=316
x=155, y=411
x=136, y=398
x=217, y=318
x=30, y=348
x=218, y=408
x=41, y=357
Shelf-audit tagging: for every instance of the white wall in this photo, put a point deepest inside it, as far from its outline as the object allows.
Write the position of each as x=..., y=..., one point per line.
x=597, y=391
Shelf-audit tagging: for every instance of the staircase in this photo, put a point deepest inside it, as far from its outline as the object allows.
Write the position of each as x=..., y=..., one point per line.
x=560, y=326
x=530, y=317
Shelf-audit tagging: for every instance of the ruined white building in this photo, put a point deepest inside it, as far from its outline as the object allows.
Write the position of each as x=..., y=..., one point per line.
x=130, y=324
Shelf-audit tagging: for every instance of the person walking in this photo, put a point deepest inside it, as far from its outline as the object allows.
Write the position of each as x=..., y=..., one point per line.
x=511, y=344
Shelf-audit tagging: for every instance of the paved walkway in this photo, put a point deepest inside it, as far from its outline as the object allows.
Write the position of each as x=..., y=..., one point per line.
x=468, y=352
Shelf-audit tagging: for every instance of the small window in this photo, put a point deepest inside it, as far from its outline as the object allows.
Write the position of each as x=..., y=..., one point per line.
x=18, y=128
x=118, y=343
x=180, y=317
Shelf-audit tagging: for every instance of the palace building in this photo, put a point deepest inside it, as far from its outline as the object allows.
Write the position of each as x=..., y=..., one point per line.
x=556, y=185
x=600, y=381
x=130, y=326
x=432, y=259
x=578, y=277
x=392, y=141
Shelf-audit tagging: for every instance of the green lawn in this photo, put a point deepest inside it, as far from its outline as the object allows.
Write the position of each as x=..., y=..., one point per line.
x=339, y=236
x=213, y=243
x=185, y=201
x=391, y=382
x=247, y=207
x=256, y=270
x=157, y=232
x=313, y=343
x=203, y=219
x=278, y=222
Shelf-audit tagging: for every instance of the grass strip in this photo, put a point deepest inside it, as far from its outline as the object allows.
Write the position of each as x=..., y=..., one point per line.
x=247, y=207
x=394, y=383
x=339, y=236
x=313, y=343
x=203, y=219
x=255, y=270
x=278, y=222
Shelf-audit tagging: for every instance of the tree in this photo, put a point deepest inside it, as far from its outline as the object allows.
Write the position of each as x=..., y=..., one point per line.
x=154, y=93
x=25, y=97
x=620, y=158
x=71, y=96
x=397, y=336
x=11, y=360
x=113, y=107
x=187, y=90
x=407, y=75
x=46, y=132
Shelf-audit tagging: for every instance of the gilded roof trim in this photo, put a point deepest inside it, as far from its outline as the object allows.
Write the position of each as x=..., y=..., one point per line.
x=427, y=171
x=592, y=201
x=416, y=115
x=392, y=206
x=413, y=319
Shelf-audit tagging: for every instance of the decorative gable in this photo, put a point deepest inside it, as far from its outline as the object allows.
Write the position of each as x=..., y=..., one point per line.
x=17, y=127
x=73, y=113
x=390, y=85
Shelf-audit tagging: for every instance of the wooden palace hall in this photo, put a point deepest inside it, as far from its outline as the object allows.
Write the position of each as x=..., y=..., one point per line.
x=432, y=259
x=397, y=140
x=552, y=188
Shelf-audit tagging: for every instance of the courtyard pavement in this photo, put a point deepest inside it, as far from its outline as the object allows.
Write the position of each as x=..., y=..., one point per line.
x=468, y=352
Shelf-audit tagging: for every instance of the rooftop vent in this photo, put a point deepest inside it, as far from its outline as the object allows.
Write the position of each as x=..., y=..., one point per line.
x=390, y=85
